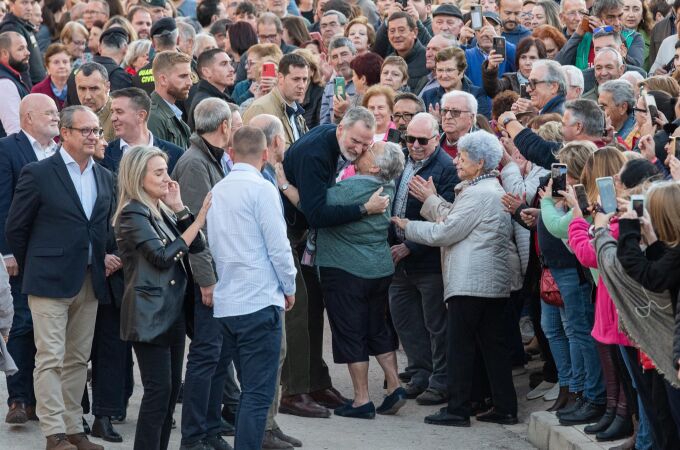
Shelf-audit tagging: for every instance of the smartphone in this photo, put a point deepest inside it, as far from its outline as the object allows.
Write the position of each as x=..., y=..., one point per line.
x=523, y=91
x=269, y=70
x=340, y=87
x=651, y=106
x=476, y=17
x=403, y=3
x=582, y=198
x=605, y=185
x=675, y=145
x=637, y=204
x=394, y=135
x=499, y=45
x=558, y=173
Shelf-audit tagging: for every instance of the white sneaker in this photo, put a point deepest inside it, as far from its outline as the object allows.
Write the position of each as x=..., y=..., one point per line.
x=552, y=394
x=540, y=390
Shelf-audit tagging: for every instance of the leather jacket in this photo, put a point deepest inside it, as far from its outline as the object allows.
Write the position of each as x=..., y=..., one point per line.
x=157, y=272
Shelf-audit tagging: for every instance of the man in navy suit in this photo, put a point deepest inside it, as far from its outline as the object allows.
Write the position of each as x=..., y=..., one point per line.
x=129, y=115
x=57, y=228
x=39, y=122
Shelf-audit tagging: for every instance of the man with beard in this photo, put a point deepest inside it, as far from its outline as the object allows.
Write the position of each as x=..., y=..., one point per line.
x=93, y=87
x=18, y=20
x=284, y=100
x=14, y=57
x=140, y=18
x=172, y=81
x=216, y=74
x=406, y=105
x=509, y=11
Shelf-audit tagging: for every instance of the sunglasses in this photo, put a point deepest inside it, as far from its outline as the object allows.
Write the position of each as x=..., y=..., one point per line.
x=601, y=30
x=421, y=140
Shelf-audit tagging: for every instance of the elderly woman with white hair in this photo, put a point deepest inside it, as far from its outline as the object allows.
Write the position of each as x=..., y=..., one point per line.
x=355, y=265
x=475, y=235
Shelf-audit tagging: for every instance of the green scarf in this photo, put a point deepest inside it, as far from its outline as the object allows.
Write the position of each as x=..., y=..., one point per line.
x=583, y=49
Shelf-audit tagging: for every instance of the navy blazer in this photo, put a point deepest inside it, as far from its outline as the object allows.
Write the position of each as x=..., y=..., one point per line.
x=15, y=153
x=113, y=154
x=49, y=233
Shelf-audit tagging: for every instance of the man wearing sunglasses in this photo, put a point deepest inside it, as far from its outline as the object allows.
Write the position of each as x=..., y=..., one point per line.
x=606, y=18
x=416, y=293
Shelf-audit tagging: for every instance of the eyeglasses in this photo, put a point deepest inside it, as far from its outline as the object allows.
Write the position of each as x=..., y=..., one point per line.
x=571, y=14
x=421, y=140
x=406, y=117
x=98, y=132
x=447, y=71
x=455, y=113
x=267, y=37
x=533, y=83
x=640, y=110
x=601, y=30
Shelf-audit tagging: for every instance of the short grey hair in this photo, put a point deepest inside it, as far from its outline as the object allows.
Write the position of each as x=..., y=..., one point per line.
x=553, y=74
x=341, y=41
x=633, y=77
x=430, y=118
x=621, y=92
x=270, y=125
x=358, y=114
x=186, y=31
x=137, y=48
x=333, y=12
x=209, y=115
x=617, y=55
x=574, y=77
x=562, y=5
x=390, y=162
x=602, y=6
x=482, y=145
x=66, y=115
x=589, y=114
x=469, y=99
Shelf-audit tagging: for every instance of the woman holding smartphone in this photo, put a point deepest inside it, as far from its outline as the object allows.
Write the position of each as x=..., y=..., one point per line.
x=155, y=233
x=528, y=51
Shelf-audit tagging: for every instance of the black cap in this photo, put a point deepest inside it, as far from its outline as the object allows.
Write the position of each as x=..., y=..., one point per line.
x=153, y=3
x=163, y=26
x=493, y=16
x=115, y=30
x=448, y=10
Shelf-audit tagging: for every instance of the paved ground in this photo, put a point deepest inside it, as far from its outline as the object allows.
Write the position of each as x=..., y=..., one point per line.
x=405, y=431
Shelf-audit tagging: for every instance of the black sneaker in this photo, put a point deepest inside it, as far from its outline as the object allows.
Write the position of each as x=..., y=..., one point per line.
x=588, y=413
x=217, y=443
x=443, y=417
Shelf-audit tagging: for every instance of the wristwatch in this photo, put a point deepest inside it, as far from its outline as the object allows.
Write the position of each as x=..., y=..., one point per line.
x=284, y=187
x=508, y=120
x=183, y=213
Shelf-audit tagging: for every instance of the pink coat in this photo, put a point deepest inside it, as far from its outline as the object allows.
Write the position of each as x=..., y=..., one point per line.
x=606, y=327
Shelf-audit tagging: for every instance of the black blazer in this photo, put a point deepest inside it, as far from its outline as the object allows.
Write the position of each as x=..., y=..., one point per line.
x=49, y=233
x=113, y=154
x=156, y=271
x=15, y=153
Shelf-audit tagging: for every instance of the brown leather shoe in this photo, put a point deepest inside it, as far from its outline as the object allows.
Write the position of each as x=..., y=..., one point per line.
x=303, y=405
x=59, y=442
x=81, y=442
x=30, y=412
x=17, y=414
x=330, y=398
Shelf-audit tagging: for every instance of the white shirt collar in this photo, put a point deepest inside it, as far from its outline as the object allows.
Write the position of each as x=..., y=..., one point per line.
x=68, y=160
x=124, y=145
x=40, y=151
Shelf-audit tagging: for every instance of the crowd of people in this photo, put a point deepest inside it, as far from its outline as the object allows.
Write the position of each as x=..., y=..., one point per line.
x=478, y=184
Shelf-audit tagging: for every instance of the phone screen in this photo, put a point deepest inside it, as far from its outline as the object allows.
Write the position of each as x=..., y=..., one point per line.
x=476, y=17
x=523, y=91
x=559, y=179
x=582, y=198
x=499, y=45
x=638, y=205
x=607, y=194
x=340, y=87
x=269, y=70
x=651, y=105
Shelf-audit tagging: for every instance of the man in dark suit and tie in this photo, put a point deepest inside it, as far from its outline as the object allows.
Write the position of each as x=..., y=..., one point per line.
x=39, y=122
x=57, y=229
x=130, y=115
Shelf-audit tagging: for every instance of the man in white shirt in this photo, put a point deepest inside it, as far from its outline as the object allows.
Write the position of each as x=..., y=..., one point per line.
x=256, y=278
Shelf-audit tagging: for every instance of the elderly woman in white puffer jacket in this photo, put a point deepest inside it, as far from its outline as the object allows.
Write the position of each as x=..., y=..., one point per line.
x=475, y=235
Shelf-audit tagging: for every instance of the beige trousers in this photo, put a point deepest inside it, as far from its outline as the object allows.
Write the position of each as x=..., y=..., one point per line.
x=63, y=329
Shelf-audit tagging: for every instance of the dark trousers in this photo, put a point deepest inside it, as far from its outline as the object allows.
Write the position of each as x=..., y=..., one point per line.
x=207, y=368
x=419, y=316
x=475, y=320
x=230, y=395
x=295, y=375
x=22, y=348
x=161, y=370
x=109, y=364
x=253, y=341
x=319, y=378
x=513, y=334
x=617, y=381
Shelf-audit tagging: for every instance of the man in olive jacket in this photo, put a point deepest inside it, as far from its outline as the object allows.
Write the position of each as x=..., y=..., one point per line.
x=172, y=81
x=200, y=168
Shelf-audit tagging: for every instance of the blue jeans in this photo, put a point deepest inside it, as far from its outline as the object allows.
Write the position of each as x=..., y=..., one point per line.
x=207, y=367
x=644, y=439
x=580, y=314
x=22, y=348
x=561, y=340
x=254, y=342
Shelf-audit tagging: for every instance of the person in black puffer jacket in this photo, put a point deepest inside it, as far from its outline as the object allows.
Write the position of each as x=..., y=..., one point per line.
x=17, y=20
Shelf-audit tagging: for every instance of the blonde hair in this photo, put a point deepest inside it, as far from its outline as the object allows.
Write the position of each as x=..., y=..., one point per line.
x=131, y=173
x=70, y=29
x=122, y=22
x=662, y=83
x=606, y=162
x=136, y=49
x=399, y=63
x=267, y=50
x=660, y=203
x=551, y=131
x=165, y=61
x=575, y=154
